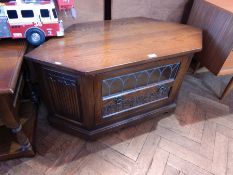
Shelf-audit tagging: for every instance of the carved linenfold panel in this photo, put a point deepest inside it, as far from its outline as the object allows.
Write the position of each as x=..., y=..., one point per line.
x=64, y=93
x=141, y=97
x=136, y=80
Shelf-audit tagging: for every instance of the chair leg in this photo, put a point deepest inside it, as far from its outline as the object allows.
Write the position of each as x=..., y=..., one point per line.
x=196, y=67
x=227, y=89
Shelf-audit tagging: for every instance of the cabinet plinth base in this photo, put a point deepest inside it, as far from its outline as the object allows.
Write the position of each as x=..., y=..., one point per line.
x=99, y=131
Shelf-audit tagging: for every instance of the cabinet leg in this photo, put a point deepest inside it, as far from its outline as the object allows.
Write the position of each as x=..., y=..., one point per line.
x=227, y=89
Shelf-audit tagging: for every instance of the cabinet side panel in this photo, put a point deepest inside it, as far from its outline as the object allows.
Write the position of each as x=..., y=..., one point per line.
x=64, y=91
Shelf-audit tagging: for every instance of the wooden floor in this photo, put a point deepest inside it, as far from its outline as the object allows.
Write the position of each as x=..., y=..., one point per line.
x=196, y=140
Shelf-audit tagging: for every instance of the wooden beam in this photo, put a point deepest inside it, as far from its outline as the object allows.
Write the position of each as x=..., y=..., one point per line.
x=107, y=9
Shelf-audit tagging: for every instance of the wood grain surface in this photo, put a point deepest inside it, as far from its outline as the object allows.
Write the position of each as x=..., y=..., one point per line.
x=216, y=19
x=102, y=46
x=11, y=56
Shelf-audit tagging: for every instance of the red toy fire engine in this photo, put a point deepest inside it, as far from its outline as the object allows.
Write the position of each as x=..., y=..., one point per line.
x=30, y=19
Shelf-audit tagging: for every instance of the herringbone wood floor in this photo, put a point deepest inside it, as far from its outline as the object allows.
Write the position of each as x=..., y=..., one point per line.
x=196, y=140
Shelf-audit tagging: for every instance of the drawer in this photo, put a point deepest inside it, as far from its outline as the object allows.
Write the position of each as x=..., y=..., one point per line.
x=129, y=100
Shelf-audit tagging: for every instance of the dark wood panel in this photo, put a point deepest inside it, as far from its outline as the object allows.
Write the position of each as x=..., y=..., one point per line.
x=216, y=19
x=65, y=90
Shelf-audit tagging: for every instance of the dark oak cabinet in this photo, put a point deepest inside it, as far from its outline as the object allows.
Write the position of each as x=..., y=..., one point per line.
x=106, y=75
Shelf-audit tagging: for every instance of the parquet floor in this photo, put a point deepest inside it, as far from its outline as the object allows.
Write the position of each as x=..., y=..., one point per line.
x=196, y=140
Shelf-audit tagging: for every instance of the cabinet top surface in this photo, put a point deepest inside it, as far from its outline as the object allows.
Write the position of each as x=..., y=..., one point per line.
x=101, y=46
x=11, y=56
x=224, y=4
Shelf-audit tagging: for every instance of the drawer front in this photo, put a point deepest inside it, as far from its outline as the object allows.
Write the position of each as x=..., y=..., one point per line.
x=133, y=90
x=128, y=101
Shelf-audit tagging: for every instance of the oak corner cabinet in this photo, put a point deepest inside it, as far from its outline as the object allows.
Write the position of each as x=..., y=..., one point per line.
x=105, y=75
